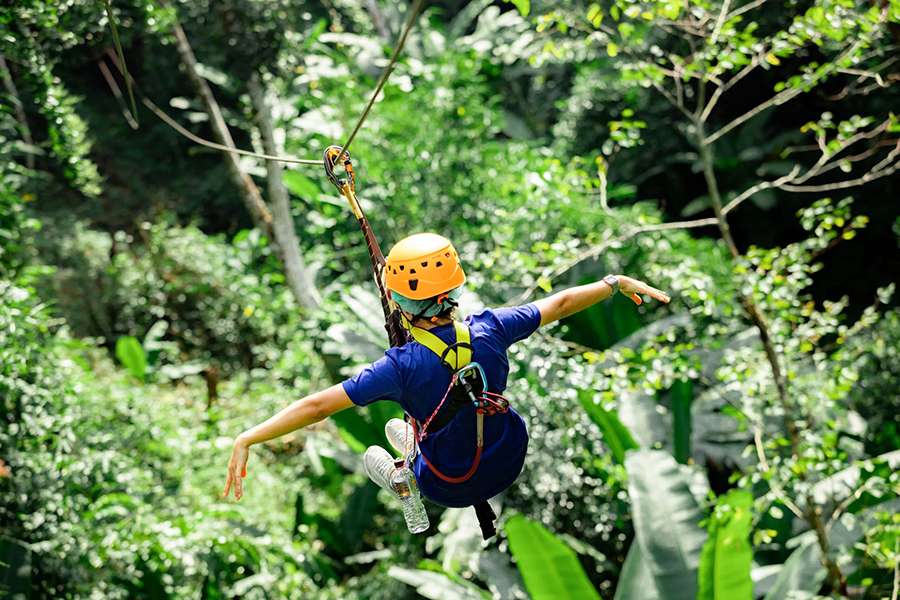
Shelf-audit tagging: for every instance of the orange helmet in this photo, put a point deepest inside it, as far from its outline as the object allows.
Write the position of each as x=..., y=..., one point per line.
x=423, y=266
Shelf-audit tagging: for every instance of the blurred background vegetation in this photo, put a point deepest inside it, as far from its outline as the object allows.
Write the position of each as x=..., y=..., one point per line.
x=158, y=297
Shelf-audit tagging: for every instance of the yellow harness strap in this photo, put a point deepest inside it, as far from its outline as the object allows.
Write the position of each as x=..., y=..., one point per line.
x=456, y=355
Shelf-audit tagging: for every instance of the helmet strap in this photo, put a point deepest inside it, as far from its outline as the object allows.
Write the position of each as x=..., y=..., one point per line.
x=421, y=315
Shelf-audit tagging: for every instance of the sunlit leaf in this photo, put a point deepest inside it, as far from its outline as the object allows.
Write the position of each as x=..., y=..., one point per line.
x=666, y=522
x=132, y=356
x=550, y=568
x=725, y=561
x=615, y=434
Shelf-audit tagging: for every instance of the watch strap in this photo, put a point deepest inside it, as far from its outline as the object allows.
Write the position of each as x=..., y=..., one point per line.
x=613, y=282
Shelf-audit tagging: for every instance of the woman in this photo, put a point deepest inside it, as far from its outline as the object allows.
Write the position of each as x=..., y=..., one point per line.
x=425, y=280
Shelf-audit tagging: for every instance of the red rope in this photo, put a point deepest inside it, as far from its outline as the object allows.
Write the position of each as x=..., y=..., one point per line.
x=462, y=478
x=435, y=412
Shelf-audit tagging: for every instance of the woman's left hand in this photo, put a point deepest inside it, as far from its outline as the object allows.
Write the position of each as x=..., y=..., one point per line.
x=633, y=288
x=237, y=469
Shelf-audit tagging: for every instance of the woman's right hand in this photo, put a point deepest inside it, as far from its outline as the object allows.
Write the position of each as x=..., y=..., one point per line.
x=237, y=469
x=633, y=288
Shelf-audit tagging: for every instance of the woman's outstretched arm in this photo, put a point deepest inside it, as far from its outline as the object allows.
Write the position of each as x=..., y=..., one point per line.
x=570, y=301
x=303, y=412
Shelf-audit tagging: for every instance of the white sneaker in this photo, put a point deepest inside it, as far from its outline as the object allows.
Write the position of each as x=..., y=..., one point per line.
x=379, y=466
x=400, y=434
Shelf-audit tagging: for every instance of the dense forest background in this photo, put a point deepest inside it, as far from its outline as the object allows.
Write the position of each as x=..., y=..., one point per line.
x=157, y=296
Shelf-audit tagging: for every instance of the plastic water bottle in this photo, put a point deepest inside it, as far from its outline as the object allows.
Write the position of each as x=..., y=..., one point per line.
x=404, y=484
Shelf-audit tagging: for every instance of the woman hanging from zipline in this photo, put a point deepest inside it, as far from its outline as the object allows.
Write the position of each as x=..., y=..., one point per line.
x=463, y=442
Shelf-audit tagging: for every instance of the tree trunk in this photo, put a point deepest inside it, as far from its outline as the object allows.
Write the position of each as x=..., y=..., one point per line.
x=280, y=229
x=810, y=510
x=378, y=20
x=297, y=273
x=250, y=193
x=13, y=93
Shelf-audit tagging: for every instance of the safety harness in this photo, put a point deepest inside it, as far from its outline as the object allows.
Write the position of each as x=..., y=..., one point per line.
x=468, y=384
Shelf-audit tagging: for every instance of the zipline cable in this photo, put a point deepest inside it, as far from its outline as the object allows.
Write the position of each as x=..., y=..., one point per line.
x=119, y=62
x=398, y=47
x=165, y=118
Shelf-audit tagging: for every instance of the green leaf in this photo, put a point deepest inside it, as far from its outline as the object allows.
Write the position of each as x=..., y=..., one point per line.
x=682, y=398
x=132, y=356
x=363, y=428
x=724, y=572
x=636, y=581
x=666, y=518
x=614, y=433
x=612, y=49
x=550, y=569
x=437, y=585
x=524, y=6
x=803, y=570
x=595, y=15
x=300, y=185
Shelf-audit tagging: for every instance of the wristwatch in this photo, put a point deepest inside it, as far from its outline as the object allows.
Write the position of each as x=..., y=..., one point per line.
x=613, y=282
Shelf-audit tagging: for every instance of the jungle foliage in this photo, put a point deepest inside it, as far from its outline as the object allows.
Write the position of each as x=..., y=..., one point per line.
x=739, y=443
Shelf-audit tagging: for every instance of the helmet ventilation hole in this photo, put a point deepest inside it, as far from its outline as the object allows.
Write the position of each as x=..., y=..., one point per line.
x=439, y=264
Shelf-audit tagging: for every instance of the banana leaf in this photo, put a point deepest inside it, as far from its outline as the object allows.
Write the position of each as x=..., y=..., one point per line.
x=550, y=568
x=636, y=581
x=803, y=570
x=666, y=522
x=614, y=433
x=682, y=397
x=726, y=559
x=437, y=586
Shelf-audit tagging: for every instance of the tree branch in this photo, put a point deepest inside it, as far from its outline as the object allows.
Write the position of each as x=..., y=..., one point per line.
x=13, y=93
x=595, y=251
x=720, y=21
x=828, y=161
x=746, y=8
x=776, y=488
x=779, y=98
x=117, y=94
x=763, y=185
x=842, y=185
x=727, y=86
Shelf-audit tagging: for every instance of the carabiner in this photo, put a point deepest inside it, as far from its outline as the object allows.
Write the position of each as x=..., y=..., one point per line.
x=332, y=153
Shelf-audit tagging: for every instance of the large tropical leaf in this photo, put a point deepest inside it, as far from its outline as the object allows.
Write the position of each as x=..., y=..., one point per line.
x=803, y=570
x=636, y=581
x=132, y=356
x=682, y=397
x=363, y=428
x=614, y=433
x=549, y=567
x=458, y=544
x=438, y=586
x=639, y=412
x=666, y=521
x=725, y=562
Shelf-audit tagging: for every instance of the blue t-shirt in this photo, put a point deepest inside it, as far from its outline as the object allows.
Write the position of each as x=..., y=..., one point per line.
x=413, y=376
